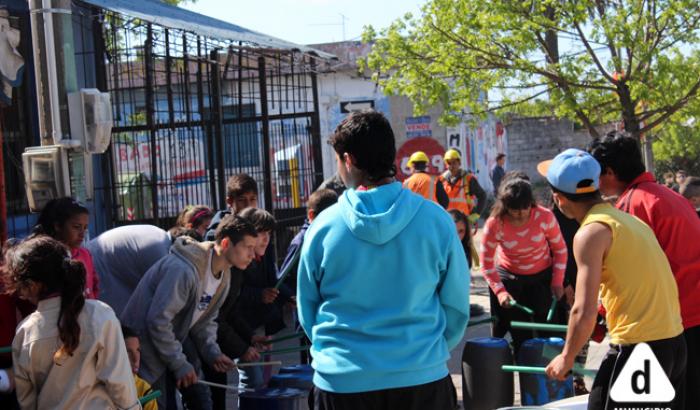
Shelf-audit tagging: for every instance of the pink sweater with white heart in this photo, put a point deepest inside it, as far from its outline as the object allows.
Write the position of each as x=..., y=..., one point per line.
x=523, y=250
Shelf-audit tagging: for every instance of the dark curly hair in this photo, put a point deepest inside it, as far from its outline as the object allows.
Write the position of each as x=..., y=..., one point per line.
x=619, y=152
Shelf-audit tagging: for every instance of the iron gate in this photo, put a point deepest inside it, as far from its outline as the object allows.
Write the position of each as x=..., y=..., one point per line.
x=190, y=111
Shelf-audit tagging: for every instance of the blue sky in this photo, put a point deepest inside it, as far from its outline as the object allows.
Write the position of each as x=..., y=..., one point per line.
x=307, y=21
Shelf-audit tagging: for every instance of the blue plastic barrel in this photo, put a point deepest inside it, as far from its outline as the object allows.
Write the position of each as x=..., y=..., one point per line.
x=484, y=385
x=298, y=368
x=302, y=381
x=538, y=389
x=273, y=399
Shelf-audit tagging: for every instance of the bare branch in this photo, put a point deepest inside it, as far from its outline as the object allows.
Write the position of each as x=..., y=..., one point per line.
x=593, y=55
x=600, y=5
x=514, y=103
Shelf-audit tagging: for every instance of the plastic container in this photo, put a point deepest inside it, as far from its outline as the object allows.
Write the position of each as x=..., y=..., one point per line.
x=302, y=381
x=273, y=399
x=484, y=385
x=538, y=389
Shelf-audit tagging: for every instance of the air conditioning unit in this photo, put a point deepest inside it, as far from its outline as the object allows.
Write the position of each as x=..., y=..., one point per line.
x=45, y=175
x=91, y=119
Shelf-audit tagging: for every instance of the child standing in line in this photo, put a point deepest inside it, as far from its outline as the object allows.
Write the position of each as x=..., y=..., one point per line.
x=69, y=353
x=66, y=220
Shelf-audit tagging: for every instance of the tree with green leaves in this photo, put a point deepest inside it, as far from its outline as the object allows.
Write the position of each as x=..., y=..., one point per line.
x=593, y=61
x=678, y=147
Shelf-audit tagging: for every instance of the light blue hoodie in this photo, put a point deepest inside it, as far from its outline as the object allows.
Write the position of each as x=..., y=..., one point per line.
x=383, y=291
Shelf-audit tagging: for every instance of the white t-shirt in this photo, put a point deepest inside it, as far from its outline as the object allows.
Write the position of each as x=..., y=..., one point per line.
x=210, y=284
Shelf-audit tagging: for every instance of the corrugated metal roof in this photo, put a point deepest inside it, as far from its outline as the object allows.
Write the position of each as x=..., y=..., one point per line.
x=169, y=16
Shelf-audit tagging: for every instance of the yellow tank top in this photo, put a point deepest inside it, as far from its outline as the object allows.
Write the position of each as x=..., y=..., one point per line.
x=637, y=286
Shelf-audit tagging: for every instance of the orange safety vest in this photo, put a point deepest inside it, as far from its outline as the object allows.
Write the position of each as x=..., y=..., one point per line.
x=423, y=184
x=459, y=194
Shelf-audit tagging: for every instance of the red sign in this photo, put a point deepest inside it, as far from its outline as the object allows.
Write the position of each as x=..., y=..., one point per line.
x=432, y=149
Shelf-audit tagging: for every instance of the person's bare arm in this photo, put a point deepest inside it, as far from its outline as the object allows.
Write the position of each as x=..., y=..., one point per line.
x=590, y=247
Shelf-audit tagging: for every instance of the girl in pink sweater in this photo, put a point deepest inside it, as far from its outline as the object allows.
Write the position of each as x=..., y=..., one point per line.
x=66, y=220
x=523, y=258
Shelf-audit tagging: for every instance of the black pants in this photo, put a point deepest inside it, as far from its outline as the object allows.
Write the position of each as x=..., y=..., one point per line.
x=218, y=395
x=692, y=377
x=194, y=397
x=671, y=354
x=533, y=291
x=438, y=395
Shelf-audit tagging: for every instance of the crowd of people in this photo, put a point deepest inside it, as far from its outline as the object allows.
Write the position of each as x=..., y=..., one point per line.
x=379, y=276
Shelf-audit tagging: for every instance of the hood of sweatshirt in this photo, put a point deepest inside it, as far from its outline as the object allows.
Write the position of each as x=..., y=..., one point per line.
x=197, y=253
x=380, y=214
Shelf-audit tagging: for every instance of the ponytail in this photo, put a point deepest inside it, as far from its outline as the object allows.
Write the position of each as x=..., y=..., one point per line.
x=72, y=302
x=46, y=261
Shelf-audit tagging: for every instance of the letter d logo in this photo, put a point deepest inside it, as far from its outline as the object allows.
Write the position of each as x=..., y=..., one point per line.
x=642, y=379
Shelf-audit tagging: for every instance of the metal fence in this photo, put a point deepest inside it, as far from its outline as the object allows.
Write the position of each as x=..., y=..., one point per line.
x=18, y=128
x=191, y=111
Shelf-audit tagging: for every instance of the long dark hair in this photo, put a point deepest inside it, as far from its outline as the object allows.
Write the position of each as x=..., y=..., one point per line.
x=459, y=216
x=57, y=212
x=46, y=261
x=514, y=193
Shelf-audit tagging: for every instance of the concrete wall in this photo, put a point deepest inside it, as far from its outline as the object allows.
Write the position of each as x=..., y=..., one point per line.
x=478, y=144
x=346, y=86
x=532, y=140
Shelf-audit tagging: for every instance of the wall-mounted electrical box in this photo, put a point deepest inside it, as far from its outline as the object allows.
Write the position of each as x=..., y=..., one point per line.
x=91, y=119
x=45, y=175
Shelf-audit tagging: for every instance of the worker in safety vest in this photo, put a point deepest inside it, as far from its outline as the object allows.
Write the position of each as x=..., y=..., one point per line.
x=462, y=188
x=426, y=185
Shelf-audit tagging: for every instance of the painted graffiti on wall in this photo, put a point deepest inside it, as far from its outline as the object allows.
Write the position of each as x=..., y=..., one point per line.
x=432, y=149
x=479, y=146
x=185, y=173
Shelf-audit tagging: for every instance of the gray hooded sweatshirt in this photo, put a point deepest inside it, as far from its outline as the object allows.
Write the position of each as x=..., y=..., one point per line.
x=162, y=306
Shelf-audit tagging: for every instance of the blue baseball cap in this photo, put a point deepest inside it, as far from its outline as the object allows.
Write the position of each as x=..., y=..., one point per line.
x=573, y=171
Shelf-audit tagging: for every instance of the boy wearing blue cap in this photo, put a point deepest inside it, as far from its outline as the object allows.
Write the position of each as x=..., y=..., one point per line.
x=618, y=258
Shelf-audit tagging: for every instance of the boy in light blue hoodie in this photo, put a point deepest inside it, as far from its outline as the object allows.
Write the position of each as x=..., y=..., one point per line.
x=383, y=284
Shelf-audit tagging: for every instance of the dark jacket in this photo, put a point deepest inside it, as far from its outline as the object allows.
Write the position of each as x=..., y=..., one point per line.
x=497, y=174
x=568, y=229
x=292, y=250
x=234, y=335
x=259, y=275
